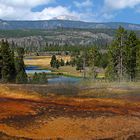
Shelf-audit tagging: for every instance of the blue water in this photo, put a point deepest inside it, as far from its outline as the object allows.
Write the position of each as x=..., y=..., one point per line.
x=32, y=67
x=35, y=69
x=64, y=79
x=52, y=79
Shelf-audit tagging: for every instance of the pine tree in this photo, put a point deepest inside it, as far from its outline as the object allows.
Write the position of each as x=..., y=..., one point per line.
x=21, y=77
x=8, y=71
x=57, y=64
x=13, y=46
x=53, y=61
x=111, y=70
x=138, y=62
x=62, y=62
x=94, y=59
x=121, y=39
x=131, y=56
x=73, y=62
x=117, y=56
x=79, y=63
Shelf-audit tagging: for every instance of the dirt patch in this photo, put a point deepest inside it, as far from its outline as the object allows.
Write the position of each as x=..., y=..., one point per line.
x=72, y=118
x=4, y=136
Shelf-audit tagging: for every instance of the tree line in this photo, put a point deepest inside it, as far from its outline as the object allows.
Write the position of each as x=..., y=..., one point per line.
x=12, y=68
x=121, y=61
x=56, y=63
x=124, y=57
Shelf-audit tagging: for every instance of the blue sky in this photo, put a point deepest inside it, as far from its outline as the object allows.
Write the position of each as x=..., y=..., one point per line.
x=84, y=10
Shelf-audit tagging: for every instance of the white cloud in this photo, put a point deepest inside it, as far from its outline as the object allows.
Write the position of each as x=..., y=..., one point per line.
x=11, y=13
x=121, y=4
x=22, y=10
x=112, y=8
x=86, y=3
x=86, y=10
x=53, y=12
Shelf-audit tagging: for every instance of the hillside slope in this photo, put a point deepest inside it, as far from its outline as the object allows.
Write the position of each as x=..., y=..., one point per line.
x=53, y=24
x=39, y=38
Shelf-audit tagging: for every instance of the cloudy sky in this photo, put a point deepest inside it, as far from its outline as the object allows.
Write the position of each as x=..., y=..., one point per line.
x=85, y=10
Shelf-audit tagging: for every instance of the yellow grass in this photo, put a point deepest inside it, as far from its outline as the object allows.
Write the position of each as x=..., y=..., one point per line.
x=43, y=61
x=69, y=70
x=17, y=93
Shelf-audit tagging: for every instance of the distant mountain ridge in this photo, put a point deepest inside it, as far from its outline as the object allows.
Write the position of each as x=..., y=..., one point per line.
x=56, y=23
x=33, y=35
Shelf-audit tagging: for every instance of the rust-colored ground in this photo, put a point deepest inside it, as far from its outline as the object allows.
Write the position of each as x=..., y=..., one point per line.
x=26, y=115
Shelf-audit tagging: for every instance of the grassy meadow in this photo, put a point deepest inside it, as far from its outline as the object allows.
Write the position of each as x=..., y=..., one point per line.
x=44, y=63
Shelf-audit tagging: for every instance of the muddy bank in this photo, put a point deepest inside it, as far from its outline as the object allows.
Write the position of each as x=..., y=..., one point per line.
x=131, y=93
x=69, y=118
x=25, y=114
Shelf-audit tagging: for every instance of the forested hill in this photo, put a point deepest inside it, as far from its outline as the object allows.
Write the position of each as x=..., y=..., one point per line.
x=37, y=39
x=53, y=24
x=59, y=37
x=34, y=35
